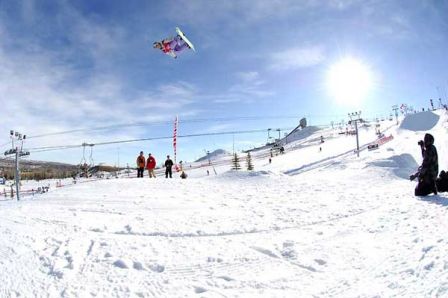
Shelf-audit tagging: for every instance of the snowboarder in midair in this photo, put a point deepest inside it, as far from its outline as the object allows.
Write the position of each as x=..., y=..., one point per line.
x=173, y=46
x=428, y=171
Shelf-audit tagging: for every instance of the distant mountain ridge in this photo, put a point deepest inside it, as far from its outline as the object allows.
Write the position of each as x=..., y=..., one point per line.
x=38, y=170
x=30, y=164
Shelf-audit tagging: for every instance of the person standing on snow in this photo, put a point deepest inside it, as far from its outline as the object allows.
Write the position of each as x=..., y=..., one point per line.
x=150, y=165
x=428, y=171
x=168, y=167
x=140, y=165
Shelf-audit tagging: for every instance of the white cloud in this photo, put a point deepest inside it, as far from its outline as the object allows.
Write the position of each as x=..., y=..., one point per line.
x=297, y=58
x=39, y=95
x=170, y=96
x=213, y=13
x=227, y=99
x=249, y=87
x=343, y=4
x=249, y=76
x=250, y=91
x=180, y=89
x=28, y=10
x=217, y=128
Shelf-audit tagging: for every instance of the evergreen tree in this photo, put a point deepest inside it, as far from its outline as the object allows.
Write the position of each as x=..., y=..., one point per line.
x=236, y=162
x=250, y=166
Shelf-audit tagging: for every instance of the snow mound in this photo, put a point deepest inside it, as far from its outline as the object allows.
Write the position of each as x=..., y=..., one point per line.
x=232, y=174
x=402, y=165
x=120, y=264
x=308, y=131
x=218, y=153
x=420, y=121
x=300, y=134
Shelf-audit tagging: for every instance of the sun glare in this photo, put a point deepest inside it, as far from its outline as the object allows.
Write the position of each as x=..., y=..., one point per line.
x=349, y=81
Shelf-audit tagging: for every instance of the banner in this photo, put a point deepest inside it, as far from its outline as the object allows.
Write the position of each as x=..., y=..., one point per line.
x=175, y=138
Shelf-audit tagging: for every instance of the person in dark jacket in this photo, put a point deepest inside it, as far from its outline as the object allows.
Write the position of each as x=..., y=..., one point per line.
x=168, y=165
x=428, y=171
x=141, y=161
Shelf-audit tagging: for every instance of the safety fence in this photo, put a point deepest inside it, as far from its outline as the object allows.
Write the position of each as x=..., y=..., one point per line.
x=11, y=193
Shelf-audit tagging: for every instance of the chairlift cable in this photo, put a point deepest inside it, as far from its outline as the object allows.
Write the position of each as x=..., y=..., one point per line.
x=149, y=123
x=64, y=147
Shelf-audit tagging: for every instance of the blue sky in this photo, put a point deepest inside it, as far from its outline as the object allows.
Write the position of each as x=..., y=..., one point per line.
x=68, y=65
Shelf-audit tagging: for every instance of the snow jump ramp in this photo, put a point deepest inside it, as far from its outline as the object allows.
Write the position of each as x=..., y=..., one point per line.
x=420, y=121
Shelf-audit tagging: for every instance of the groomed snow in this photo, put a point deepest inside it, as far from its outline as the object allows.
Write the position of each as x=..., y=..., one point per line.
x=312, y=223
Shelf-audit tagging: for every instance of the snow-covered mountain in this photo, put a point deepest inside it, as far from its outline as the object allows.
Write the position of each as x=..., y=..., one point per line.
x=316, y=221
x=214, y=155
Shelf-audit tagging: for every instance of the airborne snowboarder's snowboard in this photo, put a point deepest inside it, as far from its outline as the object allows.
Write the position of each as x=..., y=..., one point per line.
x=184, y=38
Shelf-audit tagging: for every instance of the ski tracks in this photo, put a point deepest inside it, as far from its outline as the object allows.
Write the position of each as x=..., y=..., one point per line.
x=383, y=269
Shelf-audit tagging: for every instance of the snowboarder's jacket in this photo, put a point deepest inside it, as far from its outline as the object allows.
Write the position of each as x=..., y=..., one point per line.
x=166, y=46
x=141, y=161
x=429, y=169
x=169, y=163
x=151, y=163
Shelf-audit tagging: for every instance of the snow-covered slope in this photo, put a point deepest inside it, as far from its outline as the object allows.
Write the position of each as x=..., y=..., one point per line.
x=216, y=154
x=320, y=223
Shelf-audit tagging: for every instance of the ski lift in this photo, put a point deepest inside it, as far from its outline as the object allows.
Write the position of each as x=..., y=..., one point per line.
x=91, y=162
x=83, y=167
x=92, y=169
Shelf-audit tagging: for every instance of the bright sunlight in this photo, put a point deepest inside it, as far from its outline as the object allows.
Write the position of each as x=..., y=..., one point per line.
x=349, y=81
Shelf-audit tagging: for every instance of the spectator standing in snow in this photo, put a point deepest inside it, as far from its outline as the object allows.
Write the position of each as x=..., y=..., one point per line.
x=140, y=165
x=168, y=167
x=150, y=165
x=428, y=171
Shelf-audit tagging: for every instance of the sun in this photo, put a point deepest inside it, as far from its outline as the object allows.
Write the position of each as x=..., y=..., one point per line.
x=349, y=81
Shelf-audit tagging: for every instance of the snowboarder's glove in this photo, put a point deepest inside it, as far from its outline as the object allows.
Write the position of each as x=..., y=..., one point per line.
x=412, y=177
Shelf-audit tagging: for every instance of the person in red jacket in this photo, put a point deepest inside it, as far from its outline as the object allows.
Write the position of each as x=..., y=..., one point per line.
x=150, y=166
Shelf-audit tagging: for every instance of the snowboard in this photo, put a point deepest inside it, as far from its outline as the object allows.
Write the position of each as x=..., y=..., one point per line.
x=184, y=38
